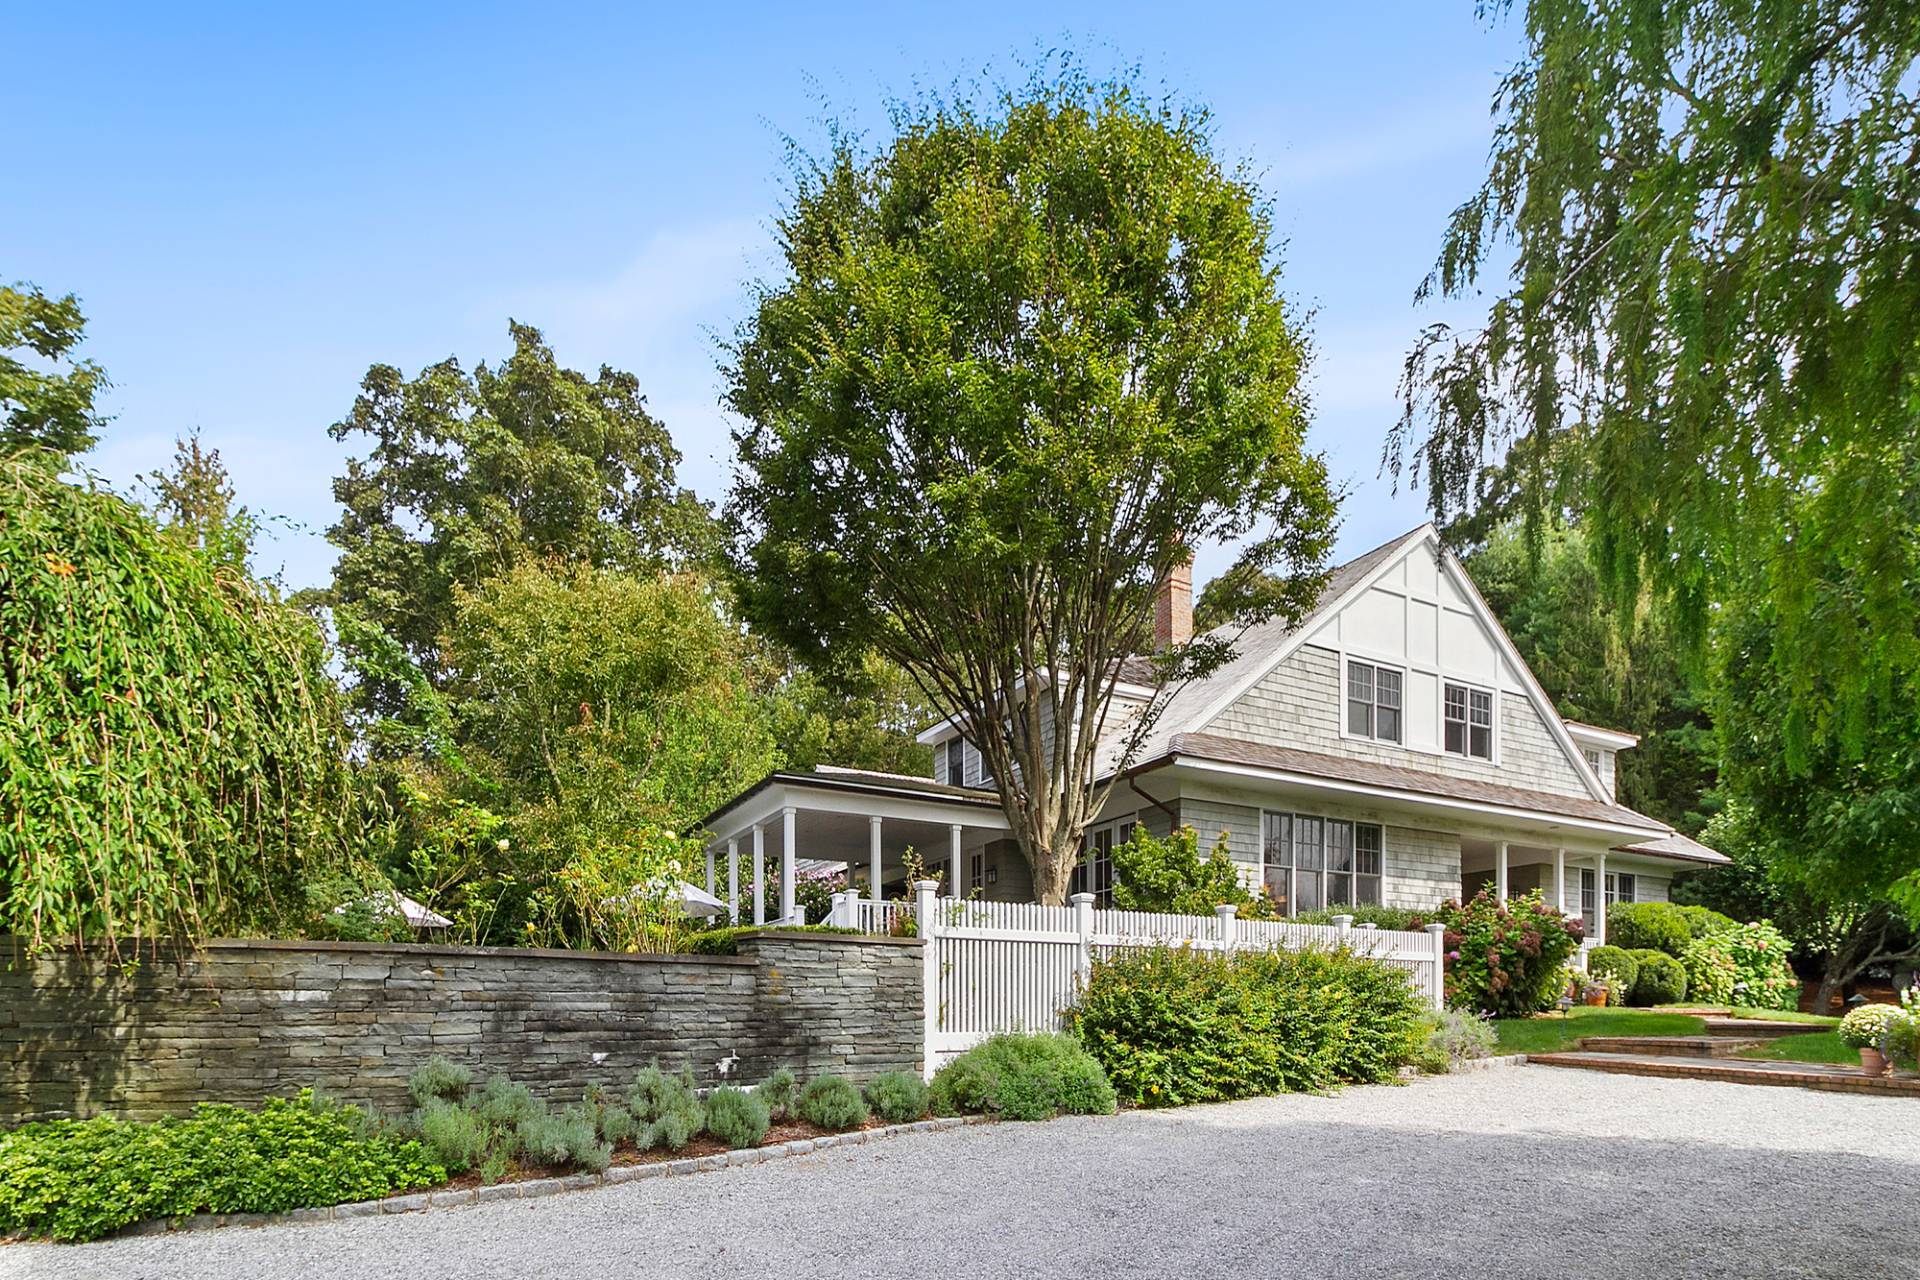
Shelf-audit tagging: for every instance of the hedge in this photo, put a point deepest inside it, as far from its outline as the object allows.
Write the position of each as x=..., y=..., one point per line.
x=1174, y=1026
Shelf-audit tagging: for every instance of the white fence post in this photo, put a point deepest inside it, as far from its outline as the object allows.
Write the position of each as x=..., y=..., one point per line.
x=1345, y=925
x=1229, y=917
x=1083, y=925
x=1438, y=932
x=925, y=912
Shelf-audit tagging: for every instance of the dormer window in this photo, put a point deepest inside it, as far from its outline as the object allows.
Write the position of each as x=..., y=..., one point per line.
x=1373, y=701
x=956, y=762
x=1468, y=716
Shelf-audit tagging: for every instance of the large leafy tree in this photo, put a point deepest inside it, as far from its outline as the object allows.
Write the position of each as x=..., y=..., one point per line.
x=172, y=752
x=1713, y=214
x=46, y=392
x=1622, y=673
x=195, y=498
x=470, y=473
x=1710, y=346
x=1024, y=355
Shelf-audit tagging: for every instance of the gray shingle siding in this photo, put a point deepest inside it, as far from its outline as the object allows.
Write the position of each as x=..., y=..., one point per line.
x=1298, y=704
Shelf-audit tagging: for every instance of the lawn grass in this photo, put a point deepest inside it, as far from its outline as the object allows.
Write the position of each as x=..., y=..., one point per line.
x=1786, y=1015
x=1757, y=1015
x=1813, y=1046
x=1550, y=1032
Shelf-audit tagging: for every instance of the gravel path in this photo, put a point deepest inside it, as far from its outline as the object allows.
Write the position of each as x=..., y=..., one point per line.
x=1522, y=1172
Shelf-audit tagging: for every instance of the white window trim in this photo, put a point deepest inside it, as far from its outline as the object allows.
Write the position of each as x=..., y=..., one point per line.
x=1111, y=827
x=1399, y=668
x=1442, y=677
x=1493, y=736
x=1260, y=851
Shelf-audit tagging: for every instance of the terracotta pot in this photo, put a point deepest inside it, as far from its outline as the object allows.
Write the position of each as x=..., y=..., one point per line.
x=1596, y=997
x=1873, y=1062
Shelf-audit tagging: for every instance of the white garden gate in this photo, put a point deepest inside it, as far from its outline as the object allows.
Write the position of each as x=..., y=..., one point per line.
x=1015, y=966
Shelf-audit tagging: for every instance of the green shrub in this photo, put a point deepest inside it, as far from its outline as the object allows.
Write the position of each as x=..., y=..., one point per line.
x=1869, y=1026
x=1702, y=921
x=1454, y=1037
x=736, y=1117
x=1369, y=913
x=897, y=1097
x=504, y=1104
x=830, y=1102
x=563, y=1140
x=1174, y=1026
x=1746, y=965
x=456, y=1136
x=1617, y=968
x=615, y=1123
x=1023, y=1077
x=80, y=1179
x=1649, y=926
x=667, y=1107
x=438, y=1078
x=1662, y=979
x=1504, y=959
x=777, y=1092
x=1151, y=874
x=726, y=941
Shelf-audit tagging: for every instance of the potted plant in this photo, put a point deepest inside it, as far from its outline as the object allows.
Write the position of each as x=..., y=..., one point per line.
x=1595, y=995
x=1903, y=1035
x=1868, y=1029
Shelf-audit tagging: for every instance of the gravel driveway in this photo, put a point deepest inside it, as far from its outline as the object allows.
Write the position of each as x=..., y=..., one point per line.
x=1520, y=1172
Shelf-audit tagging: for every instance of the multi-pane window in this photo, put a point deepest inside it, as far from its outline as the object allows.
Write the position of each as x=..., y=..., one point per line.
x=986, y=770
x=1619, y=887
x=956, y=762
x=977, y=870
x=1094, y=873
x=1312, y=862
x=1373, y=701
x=1467, y=716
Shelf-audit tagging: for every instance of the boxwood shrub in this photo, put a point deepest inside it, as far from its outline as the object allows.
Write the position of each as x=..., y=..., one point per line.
x=1023, y=1077
x=1661, y=980
x=1616, y=967
x=1175, y=1026
x=80, y=1179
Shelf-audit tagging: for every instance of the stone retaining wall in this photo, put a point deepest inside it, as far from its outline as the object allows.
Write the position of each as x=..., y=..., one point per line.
x=240, y=1021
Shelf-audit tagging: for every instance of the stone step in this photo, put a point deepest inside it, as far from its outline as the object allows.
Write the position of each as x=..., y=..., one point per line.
x=1804, y=1075
x=1669, y=1046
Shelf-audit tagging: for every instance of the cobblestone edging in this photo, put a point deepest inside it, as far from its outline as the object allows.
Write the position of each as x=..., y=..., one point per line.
x=534, y=1188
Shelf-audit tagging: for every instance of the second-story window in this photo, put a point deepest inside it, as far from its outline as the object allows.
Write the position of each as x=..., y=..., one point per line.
x=1468, y=715
x=1373, y=701
x=956, y=762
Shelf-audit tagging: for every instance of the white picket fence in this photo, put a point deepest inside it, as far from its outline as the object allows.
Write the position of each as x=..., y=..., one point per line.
x=1016, y=966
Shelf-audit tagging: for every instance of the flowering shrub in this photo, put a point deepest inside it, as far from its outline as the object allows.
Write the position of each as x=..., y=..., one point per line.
x=1744, y=965
x=1505, y=960
x=1867, y=1027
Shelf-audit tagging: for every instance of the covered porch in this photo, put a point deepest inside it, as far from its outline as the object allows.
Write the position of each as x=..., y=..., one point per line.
x=1574, y=880
x=828, y=820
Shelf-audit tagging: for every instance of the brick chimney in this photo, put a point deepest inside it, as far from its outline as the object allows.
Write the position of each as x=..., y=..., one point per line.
x=1173, y=606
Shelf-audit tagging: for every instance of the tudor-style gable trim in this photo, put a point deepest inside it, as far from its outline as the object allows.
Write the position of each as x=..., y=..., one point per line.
x=1530, y=683
x=1448, y=564
x=1298, y=636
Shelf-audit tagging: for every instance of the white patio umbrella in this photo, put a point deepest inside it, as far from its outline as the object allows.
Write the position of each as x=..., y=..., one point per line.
x=394, y=902
x=690, y=898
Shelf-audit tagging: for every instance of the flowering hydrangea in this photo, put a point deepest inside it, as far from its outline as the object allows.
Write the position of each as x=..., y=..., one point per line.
x=1745, y=965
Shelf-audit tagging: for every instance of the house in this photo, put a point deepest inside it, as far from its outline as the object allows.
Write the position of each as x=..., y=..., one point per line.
x=1391, y=747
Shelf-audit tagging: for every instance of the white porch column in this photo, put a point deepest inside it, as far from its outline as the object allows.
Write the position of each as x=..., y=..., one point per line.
x=786, y=865
x=759, y=874
x=1500, y=872
x=733, y=879
x=1600, y=900
x=1560, y=880
x=953, y=863
x=709, y=869
x=873, y=858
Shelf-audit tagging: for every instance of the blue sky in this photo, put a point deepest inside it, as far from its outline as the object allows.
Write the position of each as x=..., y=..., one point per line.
x=256, y=203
